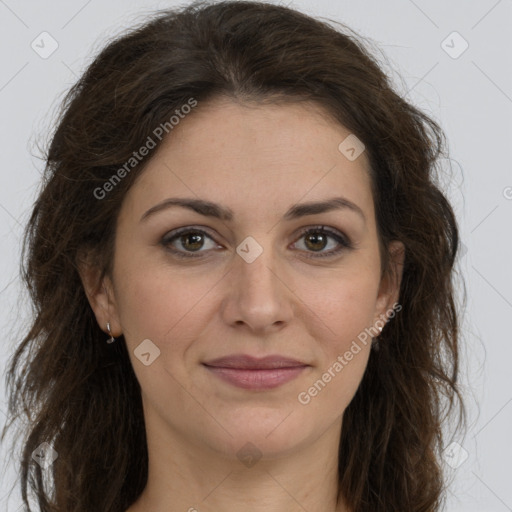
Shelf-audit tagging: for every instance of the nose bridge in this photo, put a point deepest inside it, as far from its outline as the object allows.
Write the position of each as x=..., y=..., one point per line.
x=258, y=295
x=255, y=266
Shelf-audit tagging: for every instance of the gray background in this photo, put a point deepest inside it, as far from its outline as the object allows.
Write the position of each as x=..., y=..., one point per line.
x=469, y=93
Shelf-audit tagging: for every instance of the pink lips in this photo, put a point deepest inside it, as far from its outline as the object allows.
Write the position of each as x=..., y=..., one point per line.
x=256, y=373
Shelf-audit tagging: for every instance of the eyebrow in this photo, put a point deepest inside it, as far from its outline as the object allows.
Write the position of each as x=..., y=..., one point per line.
x=209, y=209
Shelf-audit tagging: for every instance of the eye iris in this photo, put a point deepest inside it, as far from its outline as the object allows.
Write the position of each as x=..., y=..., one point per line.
x=197, y=243
x=315, y=237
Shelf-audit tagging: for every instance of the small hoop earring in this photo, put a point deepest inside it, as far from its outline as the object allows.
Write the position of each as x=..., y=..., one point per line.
x=112, y=339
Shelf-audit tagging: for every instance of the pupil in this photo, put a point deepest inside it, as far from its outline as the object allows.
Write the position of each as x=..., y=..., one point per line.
x=316, y=238
x=196, y=237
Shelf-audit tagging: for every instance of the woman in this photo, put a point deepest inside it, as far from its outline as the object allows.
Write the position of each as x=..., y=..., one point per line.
x=238, y=199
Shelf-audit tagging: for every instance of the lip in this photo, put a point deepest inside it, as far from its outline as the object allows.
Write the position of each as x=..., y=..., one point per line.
x=256, y=373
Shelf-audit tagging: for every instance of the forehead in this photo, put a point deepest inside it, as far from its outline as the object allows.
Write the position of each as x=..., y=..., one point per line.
x=254, y=156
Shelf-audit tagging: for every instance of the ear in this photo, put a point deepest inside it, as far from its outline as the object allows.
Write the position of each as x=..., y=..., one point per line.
x=389, y=289
x=100, y=294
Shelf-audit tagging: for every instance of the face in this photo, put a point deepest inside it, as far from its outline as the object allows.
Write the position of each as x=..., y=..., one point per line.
x=203, y=294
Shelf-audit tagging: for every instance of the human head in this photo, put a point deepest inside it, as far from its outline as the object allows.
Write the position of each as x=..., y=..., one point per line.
x=253, y=53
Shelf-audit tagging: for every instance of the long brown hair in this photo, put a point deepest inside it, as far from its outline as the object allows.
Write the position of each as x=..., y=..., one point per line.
x=81, y=395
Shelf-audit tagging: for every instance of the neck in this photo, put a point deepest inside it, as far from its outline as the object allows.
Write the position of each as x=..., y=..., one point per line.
x=186, y=477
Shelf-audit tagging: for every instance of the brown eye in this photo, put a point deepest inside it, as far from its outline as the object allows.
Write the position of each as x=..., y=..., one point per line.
x=191, y=241
x=317, y=239
x=187, y=241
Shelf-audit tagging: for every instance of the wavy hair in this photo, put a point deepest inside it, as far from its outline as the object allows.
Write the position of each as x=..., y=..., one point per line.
x=81, y=396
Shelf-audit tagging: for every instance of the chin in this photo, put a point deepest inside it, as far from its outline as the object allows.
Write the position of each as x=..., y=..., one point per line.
x=264, y=432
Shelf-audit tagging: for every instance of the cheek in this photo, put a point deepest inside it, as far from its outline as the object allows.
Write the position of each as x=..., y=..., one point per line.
x=156, y=302
x=346, y=308
x=347, y=311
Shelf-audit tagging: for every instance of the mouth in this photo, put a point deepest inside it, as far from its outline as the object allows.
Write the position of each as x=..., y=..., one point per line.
x=256, y=373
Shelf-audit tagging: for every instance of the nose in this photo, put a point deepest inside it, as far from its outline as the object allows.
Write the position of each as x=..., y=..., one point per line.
x=259, y=296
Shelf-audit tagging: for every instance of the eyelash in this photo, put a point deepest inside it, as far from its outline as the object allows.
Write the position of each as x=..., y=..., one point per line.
x=344, y=242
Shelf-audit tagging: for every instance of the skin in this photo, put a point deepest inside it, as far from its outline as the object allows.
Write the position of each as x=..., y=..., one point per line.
x=258, y=160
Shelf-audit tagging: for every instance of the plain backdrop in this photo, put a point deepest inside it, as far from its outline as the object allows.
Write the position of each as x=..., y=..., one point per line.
x=451, y=59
